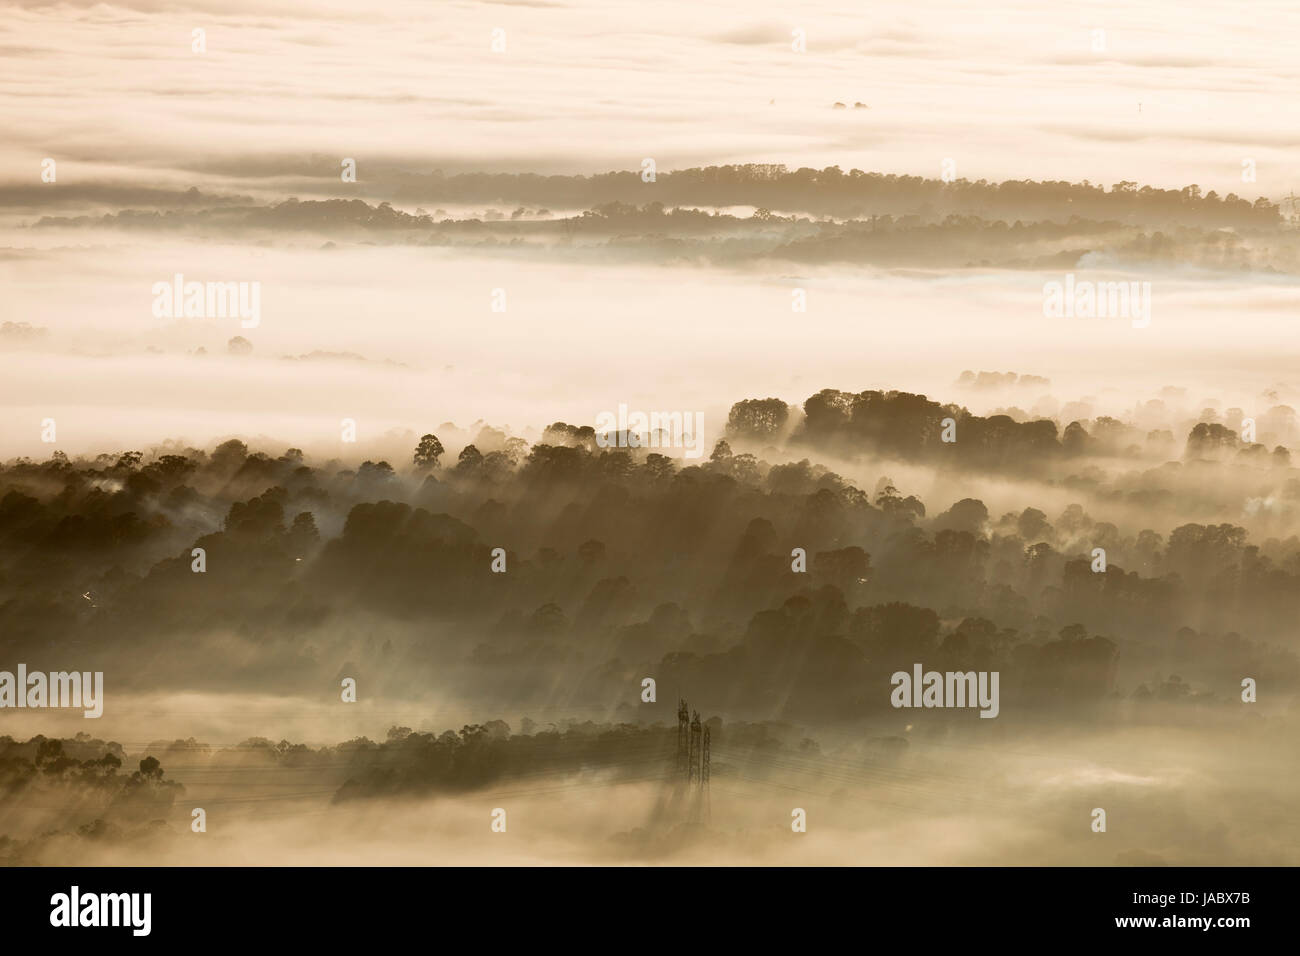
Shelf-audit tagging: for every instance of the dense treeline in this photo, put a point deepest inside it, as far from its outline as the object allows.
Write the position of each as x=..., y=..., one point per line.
x=621, y=232
x=911, y=427
x=802, y=216
x=84, y=772
x=853, y=194
x=623, y=563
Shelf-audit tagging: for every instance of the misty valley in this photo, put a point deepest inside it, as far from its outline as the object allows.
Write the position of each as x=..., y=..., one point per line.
x=831, y=641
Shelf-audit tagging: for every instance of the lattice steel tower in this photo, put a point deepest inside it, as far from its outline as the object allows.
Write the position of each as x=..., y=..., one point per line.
x=693, y=771
x=683, y=738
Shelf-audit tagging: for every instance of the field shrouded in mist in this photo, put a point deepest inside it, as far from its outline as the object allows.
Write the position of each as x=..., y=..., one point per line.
x=366, y=562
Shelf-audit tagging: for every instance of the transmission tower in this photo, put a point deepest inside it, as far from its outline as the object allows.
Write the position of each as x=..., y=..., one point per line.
x=704, y=776
x=693, y=770
x=683, y=738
